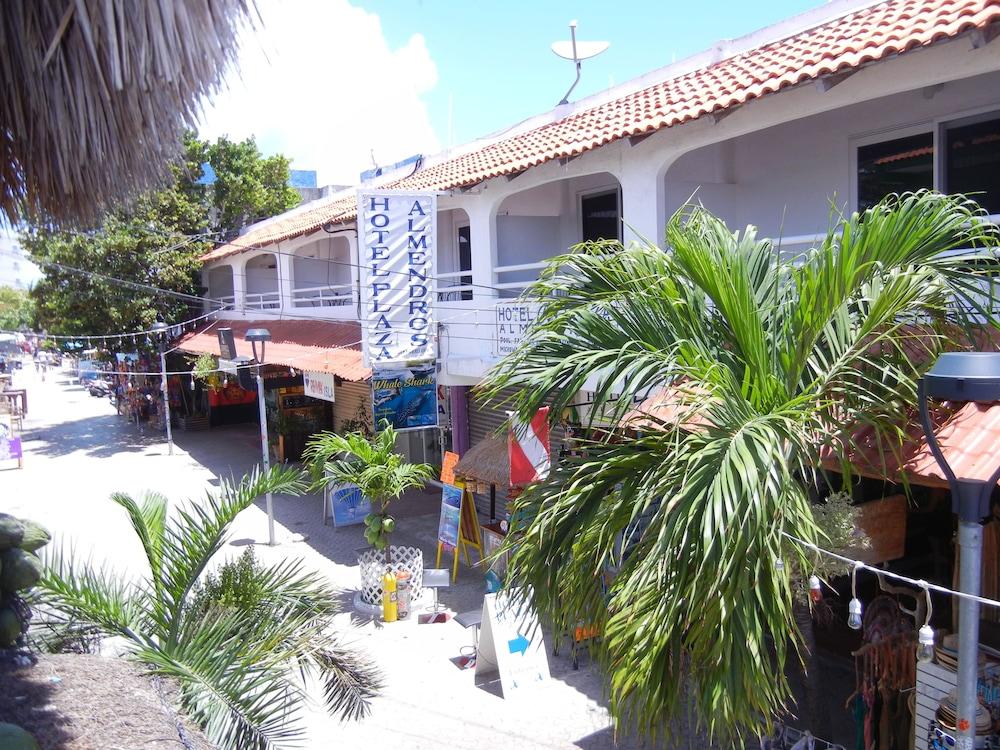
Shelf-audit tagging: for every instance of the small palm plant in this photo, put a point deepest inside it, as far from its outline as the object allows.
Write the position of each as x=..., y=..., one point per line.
x=241, y=664
x=372, y=464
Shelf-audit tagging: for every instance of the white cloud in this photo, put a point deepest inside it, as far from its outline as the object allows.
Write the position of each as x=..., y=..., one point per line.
x=320, y=84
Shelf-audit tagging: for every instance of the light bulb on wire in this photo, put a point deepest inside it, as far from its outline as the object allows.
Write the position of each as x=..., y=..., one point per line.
x=925, y=636
x=815, y=590
x=854, y=609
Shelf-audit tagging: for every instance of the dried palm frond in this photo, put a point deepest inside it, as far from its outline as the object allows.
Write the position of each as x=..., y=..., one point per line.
x=95, y=96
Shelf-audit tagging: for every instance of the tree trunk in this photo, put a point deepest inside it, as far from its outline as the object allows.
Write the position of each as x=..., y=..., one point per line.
x=815, y=717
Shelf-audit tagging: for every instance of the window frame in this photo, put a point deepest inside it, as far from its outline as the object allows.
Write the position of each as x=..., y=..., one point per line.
x=598, y=192
x=936, y=126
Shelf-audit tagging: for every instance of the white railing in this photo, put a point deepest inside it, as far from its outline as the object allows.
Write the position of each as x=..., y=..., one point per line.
x=262, y=301
x=515, y=268
x=335, y=295
x=228, y=301
x=451, y=286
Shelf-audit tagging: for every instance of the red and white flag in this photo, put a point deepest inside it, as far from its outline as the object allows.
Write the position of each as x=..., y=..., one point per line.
x=528, y=448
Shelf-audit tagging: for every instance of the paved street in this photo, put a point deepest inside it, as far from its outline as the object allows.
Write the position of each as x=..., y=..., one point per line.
x=78, y=451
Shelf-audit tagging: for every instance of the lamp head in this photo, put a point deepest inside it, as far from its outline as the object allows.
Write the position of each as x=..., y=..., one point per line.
x=964, y=376
x=254, y=335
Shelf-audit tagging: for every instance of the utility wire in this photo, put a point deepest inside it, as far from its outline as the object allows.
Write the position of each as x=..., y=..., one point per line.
x=920, y=584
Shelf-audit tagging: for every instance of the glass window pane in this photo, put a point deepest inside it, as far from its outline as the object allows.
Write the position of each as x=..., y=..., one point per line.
x=897, y=166
x=973, y=163
x=600, y=217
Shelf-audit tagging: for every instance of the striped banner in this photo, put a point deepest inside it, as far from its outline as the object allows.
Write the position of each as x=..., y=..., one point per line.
x=528, y=448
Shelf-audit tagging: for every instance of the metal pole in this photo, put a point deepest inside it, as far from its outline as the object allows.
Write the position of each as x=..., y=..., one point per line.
x=970, y=542
x=166, y=400
x=265, y=454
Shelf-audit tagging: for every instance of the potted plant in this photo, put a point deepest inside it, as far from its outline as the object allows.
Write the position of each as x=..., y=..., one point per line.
x=383, y=475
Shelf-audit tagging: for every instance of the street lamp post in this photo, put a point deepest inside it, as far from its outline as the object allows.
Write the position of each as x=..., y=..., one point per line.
x=159, y=330
x=964, y=376
x=262, y=336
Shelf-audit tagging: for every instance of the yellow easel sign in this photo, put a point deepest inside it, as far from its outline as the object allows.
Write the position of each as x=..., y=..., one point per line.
x=458, y=528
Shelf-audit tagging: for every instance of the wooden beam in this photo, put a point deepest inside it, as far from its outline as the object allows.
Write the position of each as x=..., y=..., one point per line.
x=982, y=37
x=567, y=159
x=721, y=114
x=514, y=175
x=635, y=140
x=827, y=82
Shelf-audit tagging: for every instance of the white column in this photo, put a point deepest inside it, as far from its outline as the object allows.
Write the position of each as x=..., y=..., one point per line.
x=239, y=266
x=644, y=199
x=483, y=234
x=285, y=261
x=355, y=267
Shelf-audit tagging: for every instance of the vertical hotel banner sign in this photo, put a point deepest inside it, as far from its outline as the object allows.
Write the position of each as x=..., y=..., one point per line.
x=397, y=253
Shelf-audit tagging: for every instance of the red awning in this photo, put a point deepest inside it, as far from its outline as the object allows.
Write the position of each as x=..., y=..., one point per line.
x=968, y=433
x=311, y=345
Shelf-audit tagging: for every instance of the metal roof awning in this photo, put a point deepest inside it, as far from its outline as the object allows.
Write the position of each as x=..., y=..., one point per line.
x=968, y=432
x=311, y=345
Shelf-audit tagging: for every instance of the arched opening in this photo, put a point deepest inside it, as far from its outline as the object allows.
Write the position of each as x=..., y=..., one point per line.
x=220, y=285
x=322, y=274
x=454, y=261
x=544, y=221
x=262, y=291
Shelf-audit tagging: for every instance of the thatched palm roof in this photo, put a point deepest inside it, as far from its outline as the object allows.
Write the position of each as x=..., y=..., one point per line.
x=95, y=96
x=487, y=461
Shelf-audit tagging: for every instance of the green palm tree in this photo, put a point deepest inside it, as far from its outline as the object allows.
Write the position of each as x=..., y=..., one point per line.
x=372, y=464
x=667, y=538
x=241, y=670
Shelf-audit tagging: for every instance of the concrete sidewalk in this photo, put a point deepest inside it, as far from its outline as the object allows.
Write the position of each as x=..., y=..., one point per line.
x=78, y=451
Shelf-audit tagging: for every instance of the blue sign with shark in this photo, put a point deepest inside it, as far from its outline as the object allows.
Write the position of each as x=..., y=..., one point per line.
x=405, y=397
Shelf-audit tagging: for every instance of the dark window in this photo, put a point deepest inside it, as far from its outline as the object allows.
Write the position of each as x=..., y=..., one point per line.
x=973, y=163
x=897, y=166
x=465, y=259
x=601, y=218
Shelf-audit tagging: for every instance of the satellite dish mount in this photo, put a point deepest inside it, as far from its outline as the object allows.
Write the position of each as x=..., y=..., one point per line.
x=577, y=52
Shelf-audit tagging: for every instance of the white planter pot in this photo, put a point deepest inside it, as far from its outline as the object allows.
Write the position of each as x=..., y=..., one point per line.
x=372, y=564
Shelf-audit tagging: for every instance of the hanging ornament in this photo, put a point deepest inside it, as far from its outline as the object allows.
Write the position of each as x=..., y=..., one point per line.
x=925, y=636
x=292, y=371
x=815, y=590
x=854, y=609
x=779, y=565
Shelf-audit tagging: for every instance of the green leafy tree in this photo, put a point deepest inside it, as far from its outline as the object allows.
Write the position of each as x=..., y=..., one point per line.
x=666, y=539
x=242, y=645
x=373, y=464
x=16, y=308
x=156, y=242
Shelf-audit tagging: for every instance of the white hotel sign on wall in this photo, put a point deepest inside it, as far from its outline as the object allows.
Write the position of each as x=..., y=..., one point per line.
x=512, y=321
x=396, y=233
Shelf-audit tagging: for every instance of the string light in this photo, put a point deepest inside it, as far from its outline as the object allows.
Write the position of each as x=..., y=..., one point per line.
x=854, y=621
x=925, y=636
x=815, y=590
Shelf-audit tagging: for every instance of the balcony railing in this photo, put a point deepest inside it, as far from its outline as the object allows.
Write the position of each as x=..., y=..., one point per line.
x=335, y=295
x=454, y=286
x=263, y=301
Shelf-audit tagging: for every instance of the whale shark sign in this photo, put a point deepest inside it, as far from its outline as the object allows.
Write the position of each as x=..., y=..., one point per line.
x=405, y=397
x=511, y=645
x=398, y=248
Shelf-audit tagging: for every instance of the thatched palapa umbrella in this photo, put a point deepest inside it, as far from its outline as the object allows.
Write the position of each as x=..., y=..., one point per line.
x=95, y=96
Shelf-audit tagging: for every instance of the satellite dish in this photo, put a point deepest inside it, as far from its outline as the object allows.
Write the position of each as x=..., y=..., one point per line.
x=577, y=52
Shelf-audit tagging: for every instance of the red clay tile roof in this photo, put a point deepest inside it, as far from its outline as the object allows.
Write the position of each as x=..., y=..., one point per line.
x=861, y=36
x=312, y=345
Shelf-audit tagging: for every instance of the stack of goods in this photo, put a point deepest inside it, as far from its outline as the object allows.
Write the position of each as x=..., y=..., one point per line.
x=20, y=569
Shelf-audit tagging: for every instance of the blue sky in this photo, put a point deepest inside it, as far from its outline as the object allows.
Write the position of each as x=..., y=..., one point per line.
x=339, y=85
x=494, y=58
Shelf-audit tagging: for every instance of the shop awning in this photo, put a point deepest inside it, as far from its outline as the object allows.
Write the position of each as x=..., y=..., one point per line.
x=311, y=345
x=486, y=461
x=969, y=435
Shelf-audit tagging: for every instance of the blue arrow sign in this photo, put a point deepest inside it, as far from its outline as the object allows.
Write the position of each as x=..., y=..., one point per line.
x=519, y=644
